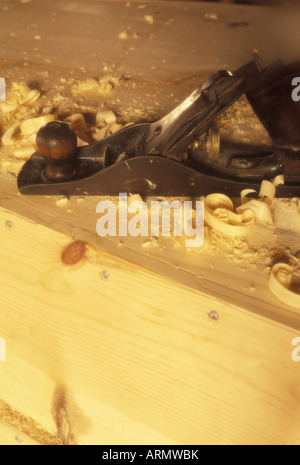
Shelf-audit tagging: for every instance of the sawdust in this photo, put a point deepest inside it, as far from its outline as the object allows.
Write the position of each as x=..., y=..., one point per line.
x=239, y=251
x=67, y=100
x=287, y=214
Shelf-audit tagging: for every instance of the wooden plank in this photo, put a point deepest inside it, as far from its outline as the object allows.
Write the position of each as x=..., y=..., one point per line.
x=185, y=37
x=245, y=284
x=10, y=436
x=135, y=358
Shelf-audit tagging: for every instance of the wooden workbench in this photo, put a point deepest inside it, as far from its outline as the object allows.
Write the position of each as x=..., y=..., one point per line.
x=120, y=348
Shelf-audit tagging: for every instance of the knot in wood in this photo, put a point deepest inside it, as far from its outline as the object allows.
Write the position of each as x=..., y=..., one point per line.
x=73, y=253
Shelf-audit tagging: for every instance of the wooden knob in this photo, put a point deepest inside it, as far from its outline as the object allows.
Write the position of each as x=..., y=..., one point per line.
x=57, y=143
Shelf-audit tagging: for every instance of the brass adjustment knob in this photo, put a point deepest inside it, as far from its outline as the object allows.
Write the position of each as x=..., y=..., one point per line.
x=209, y=143
x=57, y=143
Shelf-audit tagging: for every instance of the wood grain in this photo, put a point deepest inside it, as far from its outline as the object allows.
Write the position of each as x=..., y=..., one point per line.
x=240, y=284
x=182, y=41
x=135, y=358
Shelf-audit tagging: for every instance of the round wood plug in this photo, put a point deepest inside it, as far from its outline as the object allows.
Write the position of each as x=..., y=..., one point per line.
x=57, y=143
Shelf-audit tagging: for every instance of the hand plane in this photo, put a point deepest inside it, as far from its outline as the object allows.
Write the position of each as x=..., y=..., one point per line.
x=181, y=154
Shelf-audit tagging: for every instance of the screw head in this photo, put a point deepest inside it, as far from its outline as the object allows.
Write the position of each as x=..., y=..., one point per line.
x=105, y=274
x=9, y=224
x=213, y=315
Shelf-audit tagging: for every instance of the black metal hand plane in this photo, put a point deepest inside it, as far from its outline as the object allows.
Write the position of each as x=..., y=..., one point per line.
x=147, y=158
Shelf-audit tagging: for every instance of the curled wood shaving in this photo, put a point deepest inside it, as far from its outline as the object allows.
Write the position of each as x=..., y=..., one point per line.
x=279, y=180
x=25, y=152
x=32, y=125
x=115, y=127
x=77, y=122
x=29, y=128
x=100, y=134
x=7, y=107
x=6, y=138
x=261, y=206
x=20, y=95
x=260, y=210
x=267, y=193
x=219, y=209
x=105, y=117
x=218, y=213
x=19, y=90
x=19, y=113
x=31, y=97
x=21, y=119
x=280, y=282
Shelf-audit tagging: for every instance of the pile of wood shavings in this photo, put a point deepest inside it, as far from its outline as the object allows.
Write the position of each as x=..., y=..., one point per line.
x=239, y=251
x=26, y=109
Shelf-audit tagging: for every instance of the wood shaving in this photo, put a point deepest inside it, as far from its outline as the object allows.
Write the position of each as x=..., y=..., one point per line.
x=218, y=214
x=211, y=16
x=93, y=87
x=282, y=286
x=62, y=201
x=123, y=35
x=25, y=111
x=87, y=86
x=25, y=152
x=32, y=125
x=105, y=117
x=149, y=19
x=77, y=122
